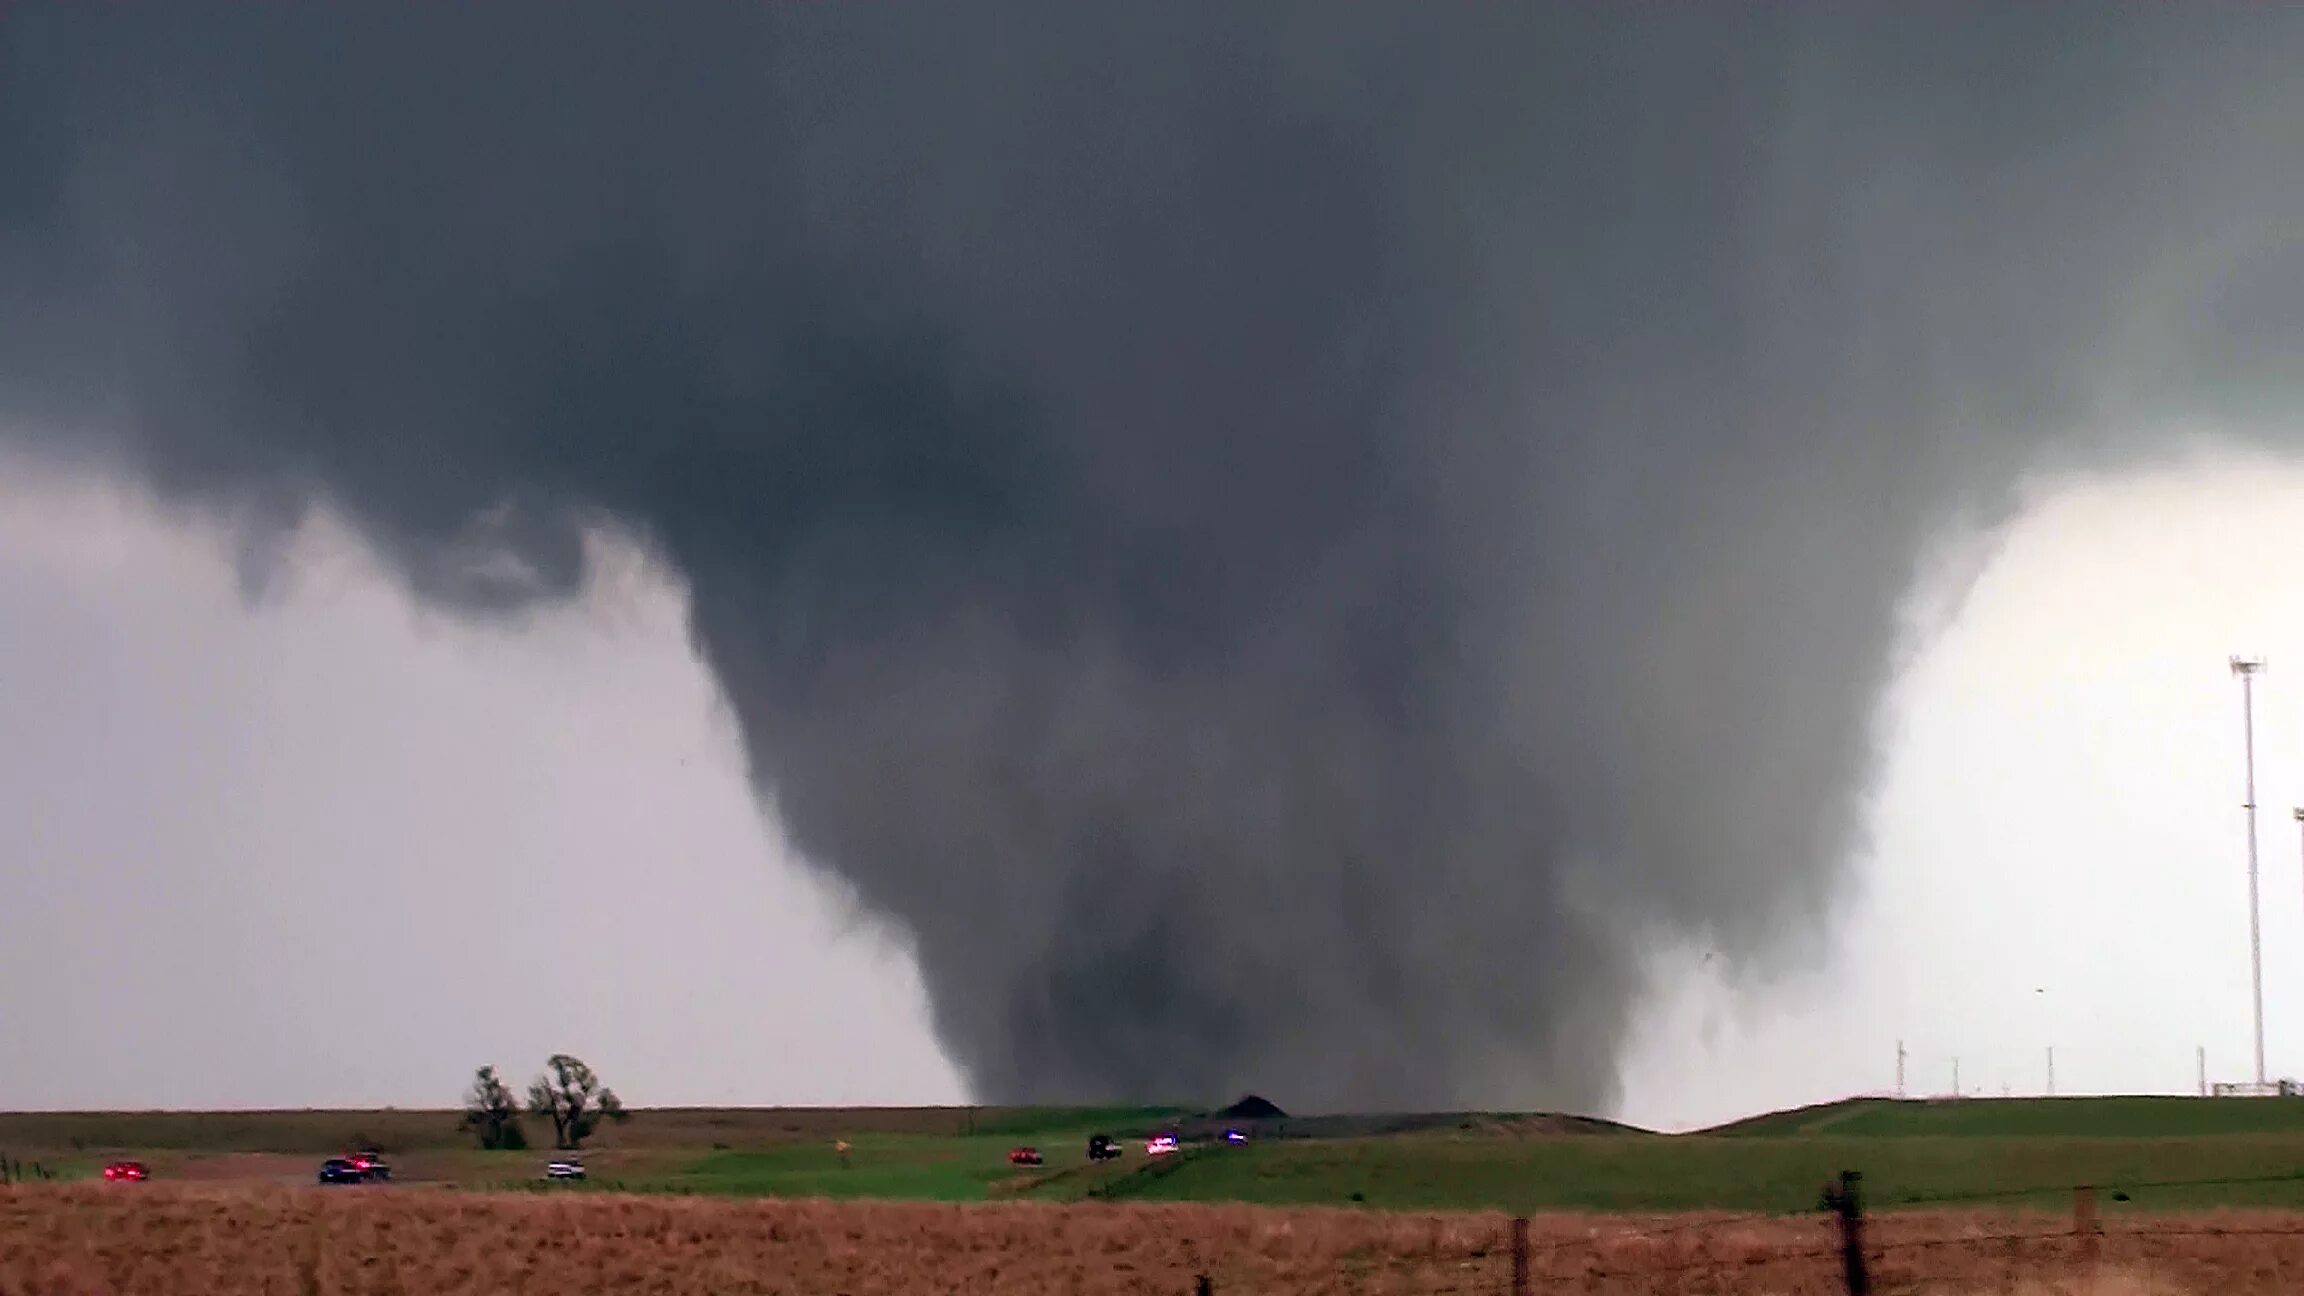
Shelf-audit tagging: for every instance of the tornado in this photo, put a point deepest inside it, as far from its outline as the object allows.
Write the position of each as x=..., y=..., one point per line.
x=1279, y=546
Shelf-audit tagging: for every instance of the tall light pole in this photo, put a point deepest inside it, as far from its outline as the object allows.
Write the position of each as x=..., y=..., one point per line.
x=2247, y=669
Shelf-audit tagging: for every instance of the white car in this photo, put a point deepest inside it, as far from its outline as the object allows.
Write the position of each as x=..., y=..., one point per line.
x=1160, y=1146
x=565, y=1168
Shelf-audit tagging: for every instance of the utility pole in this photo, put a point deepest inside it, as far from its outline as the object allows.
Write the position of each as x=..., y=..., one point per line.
x=2247, y=670
x=2201, y=1051
x=1899, y=1068
x=1956, y=1078
x=2040, y=996
x=2300, y=819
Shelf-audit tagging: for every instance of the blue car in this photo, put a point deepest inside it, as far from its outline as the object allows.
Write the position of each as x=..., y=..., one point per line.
x=338, y=1170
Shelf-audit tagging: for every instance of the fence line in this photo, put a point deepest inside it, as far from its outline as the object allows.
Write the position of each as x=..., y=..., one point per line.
x=16, y=1172
x=1855, y=1252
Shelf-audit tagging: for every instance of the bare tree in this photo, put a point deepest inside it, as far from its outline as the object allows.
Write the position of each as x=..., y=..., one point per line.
x=491, y=1112
x=573, y=1099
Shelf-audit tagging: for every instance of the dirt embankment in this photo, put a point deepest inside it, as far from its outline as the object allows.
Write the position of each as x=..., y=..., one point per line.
x=193, y=1238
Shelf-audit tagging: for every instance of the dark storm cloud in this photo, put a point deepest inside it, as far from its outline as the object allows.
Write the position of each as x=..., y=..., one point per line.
x=1287, y=546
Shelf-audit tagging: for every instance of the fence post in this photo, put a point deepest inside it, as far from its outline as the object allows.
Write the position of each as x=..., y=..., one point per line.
x=1846, y=1204
x=1519, y=1255
x=2084, y=1221
x=1202, y=1287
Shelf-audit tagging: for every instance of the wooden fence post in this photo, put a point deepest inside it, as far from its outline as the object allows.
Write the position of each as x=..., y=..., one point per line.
x=1848, y=1205
x=1519, y=1255
x=2084, y=1220
x=1202, y=1287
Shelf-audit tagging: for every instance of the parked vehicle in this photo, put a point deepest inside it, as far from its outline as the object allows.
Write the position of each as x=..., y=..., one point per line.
x=341, y=1170
x=1102, y=1148
x=126, y=1172
x=371, y=1164
x=564, y=1168
x=1024, y=1156
x=1160, y=1145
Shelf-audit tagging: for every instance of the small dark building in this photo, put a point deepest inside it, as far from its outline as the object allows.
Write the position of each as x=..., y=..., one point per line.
x=1252, y=1108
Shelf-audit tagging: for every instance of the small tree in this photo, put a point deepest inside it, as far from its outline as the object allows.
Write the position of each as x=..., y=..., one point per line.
x=573, y=1099
x=491, y=1112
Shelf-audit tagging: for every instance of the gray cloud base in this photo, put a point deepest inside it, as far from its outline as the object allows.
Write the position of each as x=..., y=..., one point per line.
x=1287, y=546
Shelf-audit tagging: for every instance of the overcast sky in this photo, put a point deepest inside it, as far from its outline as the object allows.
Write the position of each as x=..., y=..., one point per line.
x=334, y=849
x=398, y=845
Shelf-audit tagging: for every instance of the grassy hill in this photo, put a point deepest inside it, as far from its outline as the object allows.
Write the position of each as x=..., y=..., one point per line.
x=2139, y=1117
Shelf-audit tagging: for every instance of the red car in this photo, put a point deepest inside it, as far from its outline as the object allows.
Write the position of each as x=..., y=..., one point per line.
x=126, y=1171
x=1024, y=1156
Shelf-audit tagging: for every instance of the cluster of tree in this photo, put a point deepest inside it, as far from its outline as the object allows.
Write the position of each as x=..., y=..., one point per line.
x=568, y=1094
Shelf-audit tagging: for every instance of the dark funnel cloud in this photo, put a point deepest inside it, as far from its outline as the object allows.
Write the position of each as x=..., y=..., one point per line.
x=1286, y=546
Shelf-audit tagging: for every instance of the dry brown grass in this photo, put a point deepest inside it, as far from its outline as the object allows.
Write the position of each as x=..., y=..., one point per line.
x=159, y=1238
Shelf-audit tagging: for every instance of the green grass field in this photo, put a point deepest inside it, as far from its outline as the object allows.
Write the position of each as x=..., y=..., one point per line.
x=2161, y=1153
x=1742, y=1174
x=965, y=1167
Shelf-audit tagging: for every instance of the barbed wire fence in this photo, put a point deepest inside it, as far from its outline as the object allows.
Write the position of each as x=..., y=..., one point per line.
x=1846, y=1254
